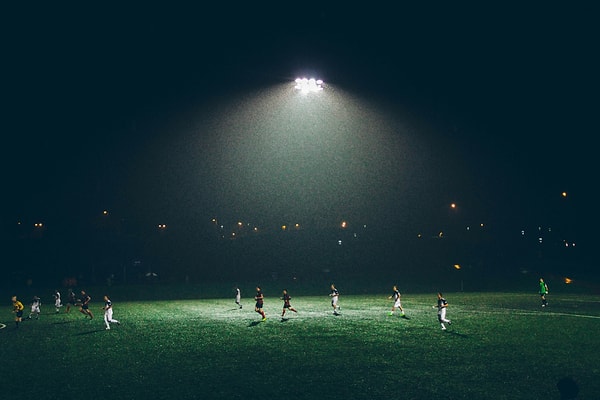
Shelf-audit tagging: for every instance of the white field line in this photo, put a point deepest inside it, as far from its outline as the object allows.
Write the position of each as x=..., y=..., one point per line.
x=2, y=326
x=537, y=313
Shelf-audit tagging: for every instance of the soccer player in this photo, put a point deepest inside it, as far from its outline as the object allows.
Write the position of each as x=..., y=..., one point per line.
x=108, y=313
x=36, y=303
x=442, y=305
x=18, y=310
x=238, y=296
x=397, y=303
x=335, y=295
x=543, y=292
x=85, y=305
x=57, y=300
x=286, y=303
x=260, y=299
x=71, y=300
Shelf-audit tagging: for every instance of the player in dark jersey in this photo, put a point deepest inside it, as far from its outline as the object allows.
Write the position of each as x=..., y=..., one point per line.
x=335, y=295
x=85, y=305
x=442, y=305
x=71, y=300
x=396, y=296
x=18, y=310
x=286, y=303
x=260, y=299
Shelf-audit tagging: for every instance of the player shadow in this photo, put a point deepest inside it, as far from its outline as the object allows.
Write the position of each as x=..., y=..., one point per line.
x=284, y=319
x=89, y=332
x=62, y=322
x=254, y=323
x=454, y=333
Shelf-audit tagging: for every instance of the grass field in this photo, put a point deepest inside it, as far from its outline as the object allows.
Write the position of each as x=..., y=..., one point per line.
x=500, y=346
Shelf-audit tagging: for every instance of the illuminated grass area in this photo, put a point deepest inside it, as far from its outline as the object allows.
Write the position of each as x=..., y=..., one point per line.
x=500, y=345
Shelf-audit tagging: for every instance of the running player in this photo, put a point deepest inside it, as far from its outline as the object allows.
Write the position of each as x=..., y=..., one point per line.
x=442, y=305
x=335, y=295
x=71, y=300
x=57, y=300
x=286, y=303
x=238, y=296
x=85, y=305
x=260, y=299
x=36, y=303
x=108, y=313
x=397, y=302
x=18, y=310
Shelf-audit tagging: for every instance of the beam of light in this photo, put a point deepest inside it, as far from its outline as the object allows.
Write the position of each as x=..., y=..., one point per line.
x=305, y=85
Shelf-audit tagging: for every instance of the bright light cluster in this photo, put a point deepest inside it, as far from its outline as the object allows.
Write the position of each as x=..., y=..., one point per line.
x=306, y=85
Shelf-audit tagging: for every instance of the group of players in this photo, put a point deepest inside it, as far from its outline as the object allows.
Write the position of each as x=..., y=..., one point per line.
x=442, y=304
x=83, y=302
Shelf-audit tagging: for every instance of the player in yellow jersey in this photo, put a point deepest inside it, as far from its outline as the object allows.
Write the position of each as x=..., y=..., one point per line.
x=18, y=310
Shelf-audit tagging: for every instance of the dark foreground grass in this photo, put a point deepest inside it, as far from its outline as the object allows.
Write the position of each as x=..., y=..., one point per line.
x=500, y=346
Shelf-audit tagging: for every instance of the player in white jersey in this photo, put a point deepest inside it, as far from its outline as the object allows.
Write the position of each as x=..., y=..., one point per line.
x=238, y=297
x=57, y=301
x=335, y=295
x=108, y=313
x=396, y=296
x=35, y=307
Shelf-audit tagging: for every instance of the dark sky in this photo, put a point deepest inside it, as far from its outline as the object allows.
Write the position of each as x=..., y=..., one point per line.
x=142, y=109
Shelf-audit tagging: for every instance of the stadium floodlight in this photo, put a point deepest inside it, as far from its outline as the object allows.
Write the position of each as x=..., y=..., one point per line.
x=305, y=85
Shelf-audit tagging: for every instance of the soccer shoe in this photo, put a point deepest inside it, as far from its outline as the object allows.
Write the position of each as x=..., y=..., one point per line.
x=264, y=319
x=108, y=328
x=390, y=313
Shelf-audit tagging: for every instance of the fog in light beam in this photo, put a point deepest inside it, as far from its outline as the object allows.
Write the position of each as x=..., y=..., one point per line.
x=280, y=156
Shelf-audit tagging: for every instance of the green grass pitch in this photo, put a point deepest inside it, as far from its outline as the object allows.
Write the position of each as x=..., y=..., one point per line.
x=500, y=346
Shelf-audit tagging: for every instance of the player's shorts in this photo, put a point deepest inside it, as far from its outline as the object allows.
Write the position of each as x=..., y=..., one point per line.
x=85, y=306
x=19, y=314
x=35, y=309
x=287, y=305
x=334, y=301
x=259, y=305
x=398, y=304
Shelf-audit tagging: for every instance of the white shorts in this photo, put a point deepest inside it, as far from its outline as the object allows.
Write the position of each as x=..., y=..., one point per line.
x=397, y=304
x=334, y=301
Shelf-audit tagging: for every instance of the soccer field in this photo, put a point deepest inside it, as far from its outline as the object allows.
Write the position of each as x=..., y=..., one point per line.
x=500, y=346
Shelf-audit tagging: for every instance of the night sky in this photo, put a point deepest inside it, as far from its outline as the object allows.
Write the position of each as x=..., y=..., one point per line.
x=165, y=114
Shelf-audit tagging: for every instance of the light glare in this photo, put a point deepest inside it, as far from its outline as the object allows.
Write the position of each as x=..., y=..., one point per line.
x=305, y=85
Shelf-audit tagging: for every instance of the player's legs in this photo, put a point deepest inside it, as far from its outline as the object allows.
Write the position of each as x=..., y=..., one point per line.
x=442, y=318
